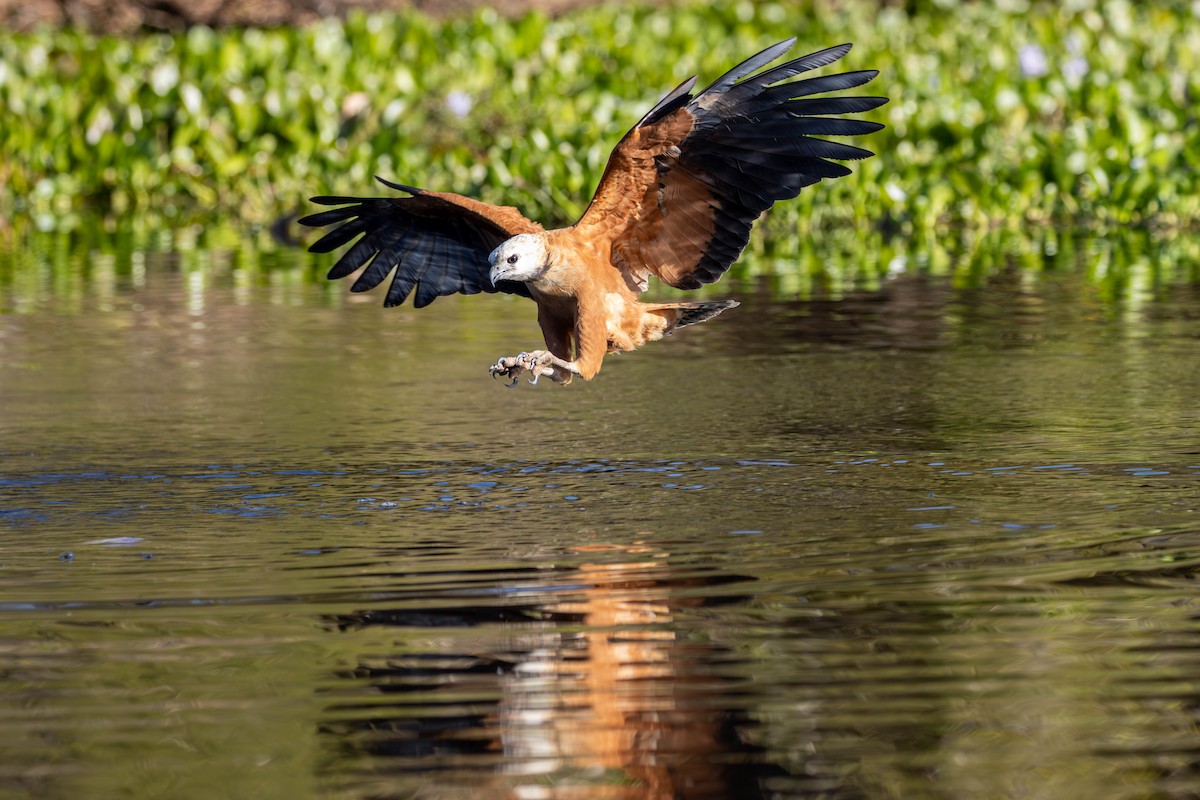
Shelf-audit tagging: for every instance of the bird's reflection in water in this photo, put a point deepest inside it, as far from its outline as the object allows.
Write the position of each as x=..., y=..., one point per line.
x=600, y=698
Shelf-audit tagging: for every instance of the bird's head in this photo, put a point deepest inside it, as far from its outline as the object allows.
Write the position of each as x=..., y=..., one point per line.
x=521, y=258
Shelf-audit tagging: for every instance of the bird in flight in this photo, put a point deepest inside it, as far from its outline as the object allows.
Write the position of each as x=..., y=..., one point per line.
x=676, y=201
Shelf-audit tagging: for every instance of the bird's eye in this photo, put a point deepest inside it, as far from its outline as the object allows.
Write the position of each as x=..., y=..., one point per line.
x=513, y=258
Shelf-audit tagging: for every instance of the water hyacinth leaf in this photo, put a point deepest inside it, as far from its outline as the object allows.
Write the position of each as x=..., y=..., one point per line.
x=988, y=106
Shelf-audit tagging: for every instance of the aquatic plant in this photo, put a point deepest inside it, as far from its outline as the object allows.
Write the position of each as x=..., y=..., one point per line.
x=1002, y=114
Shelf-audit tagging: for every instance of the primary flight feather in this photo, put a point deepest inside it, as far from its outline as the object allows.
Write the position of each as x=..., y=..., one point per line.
x=676, y=201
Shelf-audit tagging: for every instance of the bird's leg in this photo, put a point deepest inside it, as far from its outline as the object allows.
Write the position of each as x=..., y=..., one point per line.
x=539, y=363
x=543, y=362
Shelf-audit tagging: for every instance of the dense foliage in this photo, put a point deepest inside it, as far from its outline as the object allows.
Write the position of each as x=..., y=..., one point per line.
x=1004, y=113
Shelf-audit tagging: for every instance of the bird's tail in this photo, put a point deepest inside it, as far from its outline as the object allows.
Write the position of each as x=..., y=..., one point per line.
x=681, y=314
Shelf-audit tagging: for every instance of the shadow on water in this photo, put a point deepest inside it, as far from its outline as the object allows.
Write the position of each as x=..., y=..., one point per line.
x=922, y=526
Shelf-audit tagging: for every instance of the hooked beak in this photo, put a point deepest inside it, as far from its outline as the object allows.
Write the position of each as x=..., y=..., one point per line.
x=497, y=271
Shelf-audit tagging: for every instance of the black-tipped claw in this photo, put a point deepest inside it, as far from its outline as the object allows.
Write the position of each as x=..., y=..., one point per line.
x=498, y=369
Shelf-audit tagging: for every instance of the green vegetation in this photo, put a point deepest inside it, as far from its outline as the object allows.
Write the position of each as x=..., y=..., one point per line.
x=1012, y=113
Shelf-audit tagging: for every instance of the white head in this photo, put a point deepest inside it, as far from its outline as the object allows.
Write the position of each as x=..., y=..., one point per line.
x=521, y=258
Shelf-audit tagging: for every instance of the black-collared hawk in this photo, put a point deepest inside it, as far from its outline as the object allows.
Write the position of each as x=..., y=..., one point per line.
x=676, y=201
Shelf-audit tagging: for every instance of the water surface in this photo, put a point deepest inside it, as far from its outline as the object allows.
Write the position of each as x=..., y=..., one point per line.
x=932, y=534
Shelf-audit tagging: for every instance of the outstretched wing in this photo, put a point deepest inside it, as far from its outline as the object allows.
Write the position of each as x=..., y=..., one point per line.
x=437, y=243
x=684, y=186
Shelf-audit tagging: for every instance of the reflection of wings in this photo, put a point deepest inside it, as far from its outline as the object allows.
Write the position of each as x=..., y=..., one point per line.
x=684, y=186
x=438, y=243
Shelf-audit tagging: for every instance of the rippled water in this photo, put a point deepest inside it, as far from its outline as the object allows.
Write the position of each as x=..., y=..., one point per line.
x=934, y=538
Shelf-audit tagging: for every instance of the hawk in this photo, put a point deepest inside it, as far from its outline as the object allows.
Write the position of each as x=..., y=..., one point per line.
x=676, y=202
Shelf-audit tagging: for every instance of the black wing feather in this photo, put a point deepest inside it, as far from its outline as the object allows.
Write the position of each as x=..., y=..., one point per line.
x=336, y=238
x=384, y=248
x=832, y=105
x=723, y=83
x=436, y=248
x=673, y=101
x=408, y=272
x=753, y=143
x=801, y=126
x=749, y=88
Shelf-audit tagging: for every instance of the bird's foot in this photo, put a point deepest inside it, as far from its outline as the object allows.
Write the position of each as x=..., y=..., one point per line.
x=537, y=363
x=509, y=367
